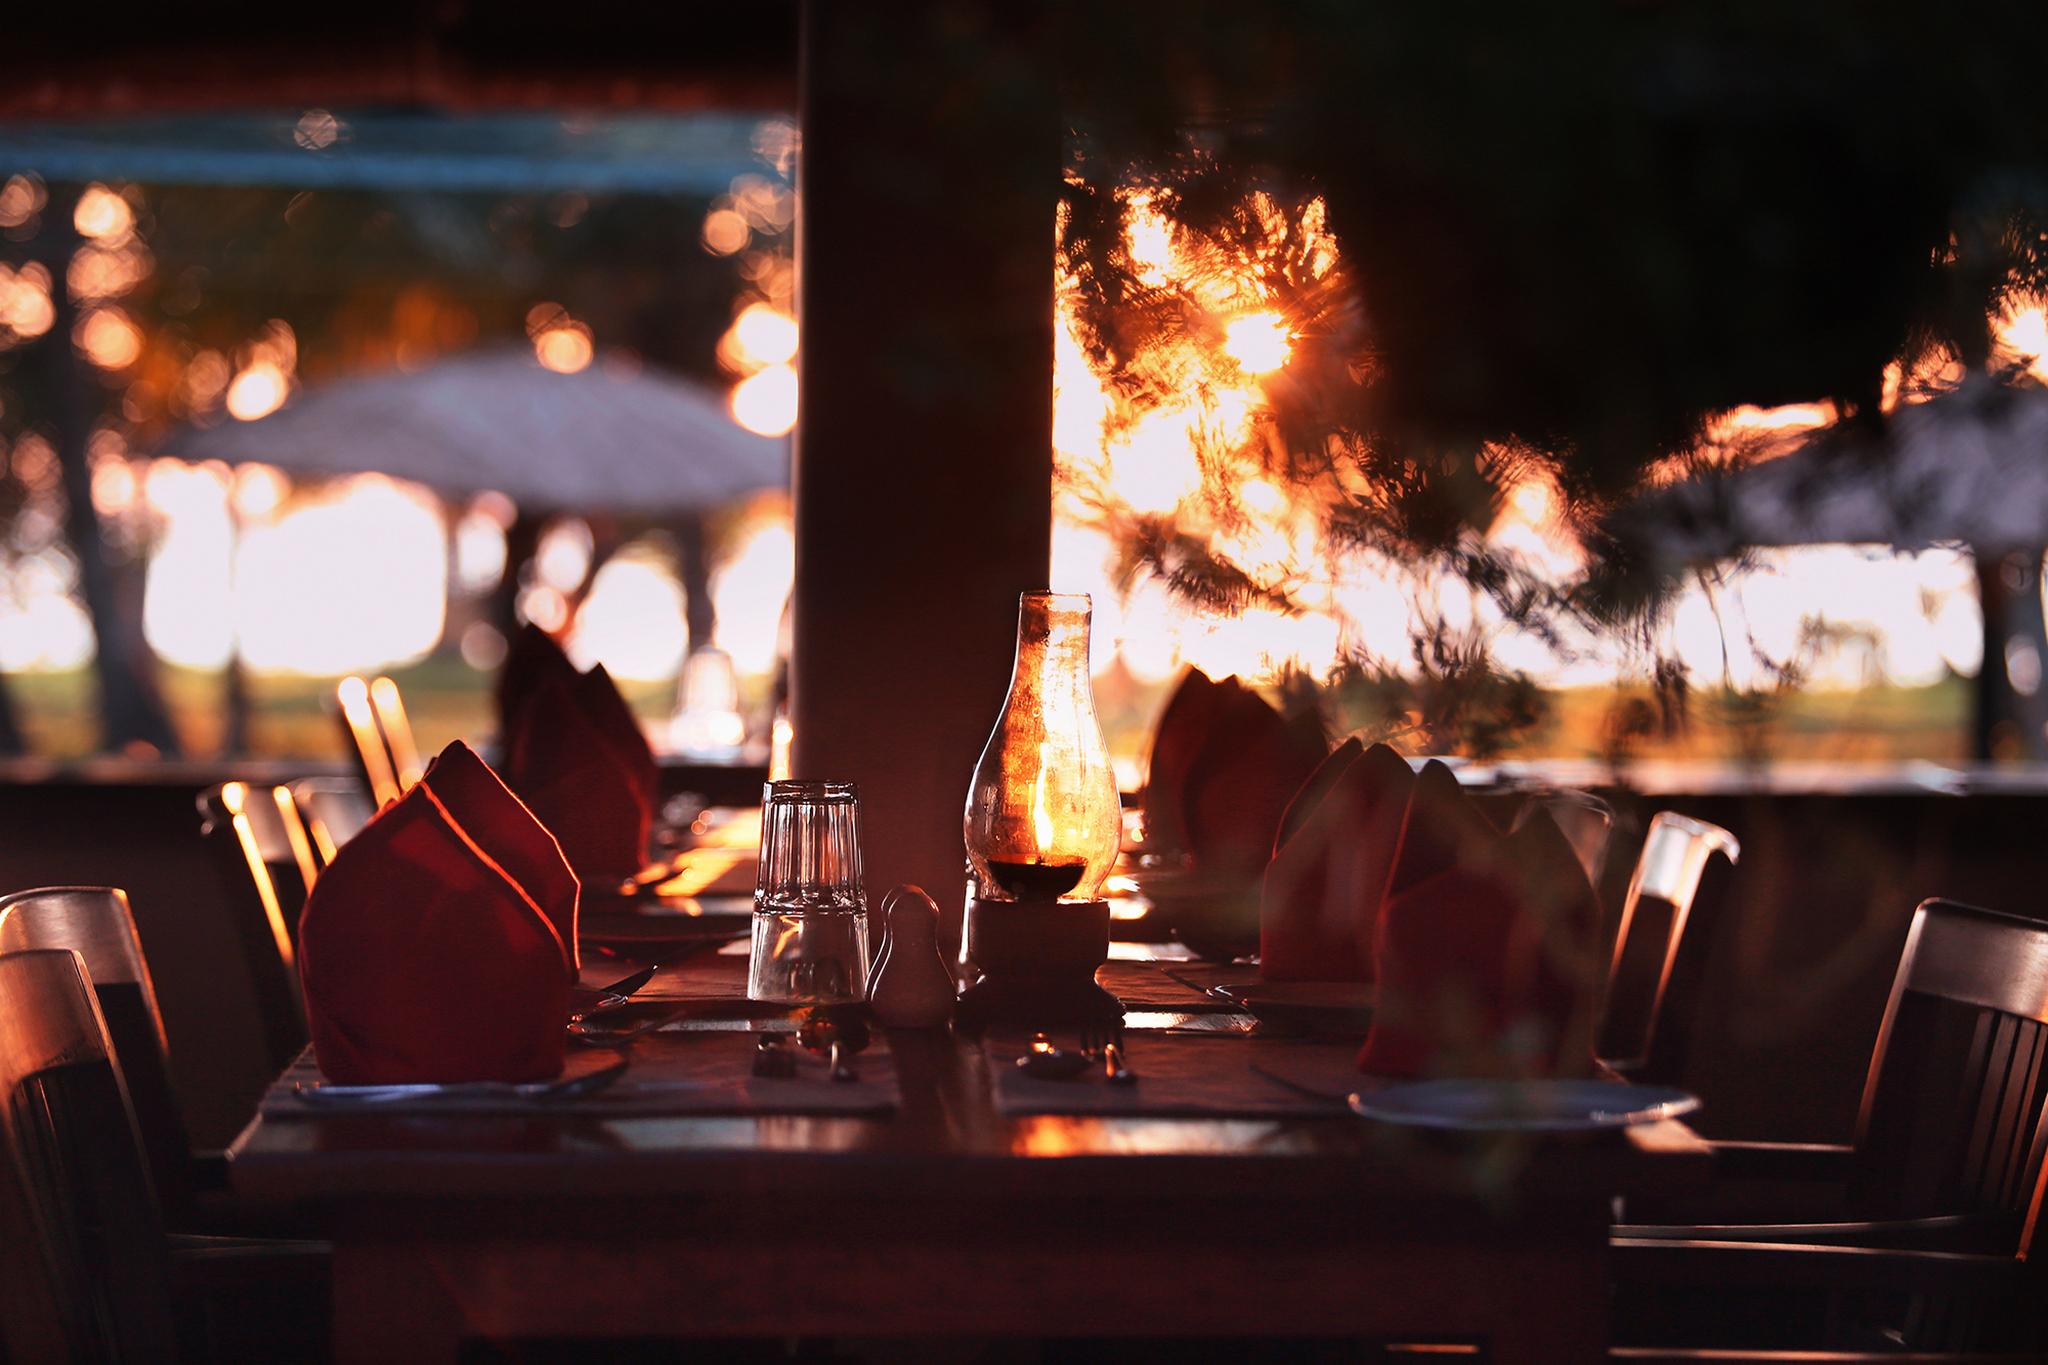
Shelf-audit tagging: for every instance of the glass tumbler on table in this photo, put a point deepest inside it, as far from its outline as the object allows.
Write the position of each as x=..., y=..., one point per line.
x=810, y=940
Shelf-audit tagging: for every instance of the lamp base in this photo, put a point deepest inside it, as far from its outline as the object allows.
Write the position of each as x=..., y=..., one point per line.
x=1037, y=960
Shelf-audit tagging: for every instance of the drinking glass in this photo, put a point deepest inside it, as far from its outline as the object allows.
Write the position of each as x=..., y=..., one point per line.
x=810, y=941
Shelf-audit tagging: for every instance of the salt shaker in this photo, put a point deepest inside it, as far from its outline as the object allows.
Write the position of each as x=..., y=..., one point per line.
x=910, y=986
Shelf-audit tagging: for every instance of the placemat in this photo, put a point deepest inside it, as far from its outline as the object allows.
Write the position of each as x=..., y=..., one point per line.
x=1188, y=1075
x=1166, y=985
x=673, y=1072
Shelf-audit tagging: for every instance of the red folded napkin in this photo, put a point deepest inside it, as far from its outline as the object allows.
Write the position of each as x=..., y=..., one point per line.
x=578, y=758
x=1240, y=783
x=1224, y=766
x=532, y=661
x=440, y=945
x=1184, y=727
x=1320, y=907
x=1484, y=948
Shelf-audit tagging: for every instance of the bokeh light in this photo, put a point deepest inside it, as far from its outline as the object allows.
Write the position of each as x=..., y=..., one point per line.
x=632, y=621
x=257, y=391
x=765, y=402
x=763, y=335
x=108, y=338
x=103, y=215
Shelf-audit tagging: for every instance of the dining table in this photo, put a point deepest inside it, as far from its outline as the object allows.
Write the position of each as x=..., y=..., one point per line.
x=961, y=1203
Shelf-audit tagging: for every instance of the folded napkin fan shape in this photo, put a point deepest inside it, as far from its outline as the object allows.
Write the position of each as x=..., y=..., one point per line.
x=1334, y=853
x=440, y=945
x=1483, y=946
x=1224, y=766
x=577, y=757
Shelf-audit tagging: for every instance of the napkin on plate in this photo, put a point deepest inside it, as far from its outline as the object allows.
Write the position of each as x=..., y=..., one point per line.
x=1334, y=853
x=578, y=758
x=1484, y=946
x=440, y=945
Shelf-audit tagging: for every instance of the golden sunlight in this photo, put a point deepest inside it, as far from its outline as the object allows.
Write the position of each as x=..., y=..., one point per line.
x=1258, y=342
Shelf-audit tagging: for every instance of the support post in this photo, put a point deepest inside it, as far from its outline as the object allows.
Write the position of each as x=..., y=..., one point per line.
x=923, y=464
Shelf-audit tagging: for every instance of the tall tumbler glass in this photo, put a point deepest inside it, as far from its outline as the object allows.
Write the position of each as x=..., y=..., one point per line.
x=810, y=943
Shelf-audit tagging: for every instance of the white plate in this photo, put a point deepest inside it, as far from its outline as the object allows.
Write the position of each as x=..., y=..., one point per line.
x=1523, y=1106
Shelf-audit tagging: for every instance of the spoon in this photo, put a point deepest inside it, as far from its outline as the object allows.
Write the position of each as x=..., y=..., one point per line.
x=836, y=1033
x=1047, y=1062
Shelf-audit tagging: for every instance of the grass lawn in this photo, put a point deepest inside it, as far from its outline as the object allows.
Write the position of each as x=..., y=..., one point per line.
x=449, y=700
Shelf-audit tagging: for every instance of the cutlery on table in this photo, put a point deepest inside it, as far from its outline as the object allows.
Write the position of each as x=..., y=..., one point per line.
x=1046, y=1061
x=1106, y=1045
x=1306, y=1091
x=619, y=993
x=569, y=1087
x=772, y=1059
x=597, y=1035
x=838, y=1034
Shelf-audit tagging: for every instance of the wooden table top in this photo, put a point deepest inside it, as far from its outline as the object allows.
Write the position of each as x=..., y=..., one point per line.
x=947, y=1142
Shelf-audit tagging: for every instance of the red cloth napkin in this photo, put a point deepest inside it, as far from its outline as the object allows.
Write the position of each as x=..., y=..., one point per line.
x=1484, y=946
x=441, y=943
x=578, y=758
x=1321, y=904
x=1225, y=764
x=1183, y=729
x=533, y=661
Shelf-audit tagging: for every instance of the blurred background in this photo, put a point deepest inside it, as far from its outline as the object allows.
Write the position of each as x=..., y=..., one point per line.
x=208, y=511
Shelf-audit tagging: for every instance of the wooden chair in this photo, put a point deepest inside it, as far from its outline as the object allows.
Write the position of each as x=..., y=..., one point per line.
x=95, y=922
x=1943, y=1187
x=379, y=734
x=332, y=810
x=1676, y=851
x=266, y=864
x=87, y=1272
x=86, y=1269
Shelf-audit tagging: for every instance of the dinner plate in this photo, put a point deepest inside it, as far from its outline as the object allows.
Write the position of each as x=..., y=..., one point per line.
x=1310, y=1006
x=1523, y=1106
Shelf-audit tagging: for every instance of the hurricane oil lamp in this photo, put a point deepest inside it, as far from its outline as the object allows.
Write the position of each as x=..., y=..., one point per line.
x=1042, y=824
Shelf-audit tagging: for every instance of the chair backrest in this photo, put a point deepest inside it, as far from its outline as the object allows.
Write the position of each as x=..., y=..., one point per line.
x=379, y=734
x=263, y=878
x=333, y=810
x=1952, y=1119
x=1675, y=854
x=389, y=708
x=95, y=922
x=83, y=1262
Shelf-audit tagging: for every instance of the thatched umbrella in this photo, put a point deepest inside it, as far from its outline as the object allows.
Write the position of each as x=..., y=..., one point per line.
x=598, y=440
x=602, y=439
x=1968, y=466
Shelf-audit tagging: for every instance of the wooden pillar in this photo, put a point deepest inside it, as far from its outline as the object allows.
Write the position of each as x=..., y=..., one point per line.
x=923, y=455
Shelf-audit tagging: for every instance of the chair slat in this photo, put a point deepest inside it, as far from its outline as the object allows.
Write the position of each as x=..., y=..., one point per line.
x=80, y=1200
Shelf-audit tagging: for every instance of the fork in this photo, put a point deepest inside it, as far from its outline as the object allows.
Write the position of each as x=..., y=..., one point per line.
x=568, y=1087
x=1106, y=1042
